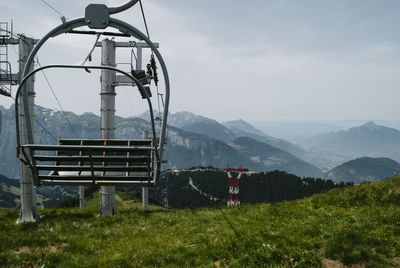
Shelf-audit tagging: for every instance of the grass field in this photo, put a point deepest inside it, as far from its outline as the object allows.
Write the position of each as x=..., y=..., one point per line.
x=357, y=225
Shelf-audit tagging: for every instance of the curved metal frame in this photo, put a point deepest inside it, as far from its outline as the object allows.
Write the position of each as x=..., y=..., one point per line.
x=75, y=23
x=122, y=7
x=137, y=82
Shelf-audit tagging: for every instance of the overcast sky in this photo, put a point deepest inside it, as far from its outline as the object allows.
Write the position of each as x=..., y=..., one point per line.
x=229, y=59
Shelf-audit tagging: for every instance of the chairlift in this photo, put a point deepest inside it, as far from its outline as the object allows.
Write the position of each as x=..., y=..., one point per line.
x=105, y=162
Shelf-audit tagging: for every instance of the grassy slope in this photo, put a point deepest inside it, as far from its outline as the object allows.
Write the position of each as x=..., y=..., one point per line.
x=360, y=224
x=16, y=191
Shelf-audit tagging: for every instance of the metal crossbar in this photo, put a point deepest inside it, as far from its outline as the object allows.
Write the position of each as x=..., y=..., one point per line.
x=94, y=161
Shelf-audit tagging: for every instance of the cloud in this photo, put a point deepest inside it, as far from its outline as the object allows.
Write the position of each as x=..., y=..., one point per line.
x=253, y=60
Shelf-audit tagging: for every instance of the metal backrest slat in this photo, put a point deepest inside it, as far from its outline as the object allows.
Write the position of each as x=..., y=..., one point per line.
x=94, y=161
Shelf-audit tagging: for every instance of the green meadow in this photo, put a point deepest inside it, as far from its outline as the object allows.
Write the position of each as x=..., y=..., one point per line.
x=356, y=225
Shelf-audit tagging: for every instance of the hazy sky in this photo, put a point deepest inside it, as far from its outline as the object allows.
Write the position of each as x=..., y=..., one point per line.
x=230, y=59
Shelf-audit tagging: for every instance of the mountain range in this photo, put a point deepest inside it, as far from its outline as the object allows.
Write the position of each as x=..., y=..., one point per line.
x=198, y=142
x=227, y=131
x=195, y=140
x=368, y=140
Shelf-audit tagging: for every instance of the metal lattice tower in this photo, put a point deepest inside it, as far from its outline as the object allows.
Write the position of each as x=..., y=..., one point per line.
x=29, y=212
x=233, y=196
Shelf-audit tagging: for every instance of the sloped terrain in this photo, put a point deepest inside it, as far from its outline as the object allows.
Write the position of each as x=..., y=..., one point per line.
x=194, y=188
x=356, y=225
x=241, y=128
x=198, y=188
x=364, y=169
x=265, y=157
x=9, y=192
x=199, y=124
x=46, y=196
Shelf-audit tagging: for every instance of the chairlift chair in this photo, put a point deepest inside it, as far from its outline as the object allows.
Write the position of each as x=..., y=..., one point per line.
x=104, y=162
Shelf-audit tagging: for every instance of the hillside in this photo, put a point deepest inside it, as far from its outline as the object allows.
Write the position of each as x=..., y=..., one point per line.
x=46, y=196
x=199, y=124
x=266, y=158
x=9, y=192
x=197, y=188
x=190, y=189
x=365, y=169
x=187, y=149
x=241, y=128
x=356, y=225
x=228, y=131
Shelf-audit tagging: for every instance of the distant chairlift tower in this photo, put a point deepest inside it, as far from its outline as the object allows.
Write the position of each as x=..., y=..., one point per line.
x=29, y=211
x=233, y=197
x=5, y=66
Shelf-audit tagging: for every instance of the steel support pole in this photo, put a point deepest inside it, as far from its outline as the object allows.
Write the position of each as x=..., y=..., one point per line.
x=139, y=57
x=29, y=211
x=145, y=197
x=107, y=111
x=145, y=190
x=81, y=197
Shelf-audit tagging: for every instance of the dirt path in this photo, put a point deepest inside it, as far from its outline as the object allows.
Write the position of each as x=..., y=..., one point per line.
x=201, y=192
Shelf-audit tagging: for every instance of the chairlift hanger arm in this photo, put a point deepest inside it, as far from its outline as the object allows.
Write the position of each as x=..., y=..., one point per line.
x=114, y=23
